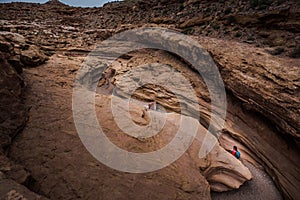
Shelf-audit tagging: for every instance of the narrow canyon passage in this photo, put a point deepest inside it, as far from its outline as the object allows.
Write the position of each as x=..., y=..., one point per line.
x=61, y=168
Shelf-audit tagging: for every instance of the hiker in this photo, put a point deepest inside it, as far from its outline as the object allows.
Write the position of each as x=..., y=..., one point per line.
x=235, y=152
x=149, y=106
x=152, y=105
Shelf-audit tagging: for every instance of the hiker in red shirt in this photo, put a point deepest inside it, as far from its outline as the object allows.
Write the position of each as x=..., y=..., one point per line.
x=235, y=152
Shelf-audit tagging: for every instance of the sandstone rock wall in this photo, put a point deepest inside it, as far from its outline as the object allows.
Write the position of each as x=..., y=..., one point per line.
x=270, y=86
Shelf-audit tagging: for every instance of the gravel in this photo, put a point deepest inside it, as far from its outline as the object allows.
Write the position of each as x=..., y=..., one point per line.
x=261, y=187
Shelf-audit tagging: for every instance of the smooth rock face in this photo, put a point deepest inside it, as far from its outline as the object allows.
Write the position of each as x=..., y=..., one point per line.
x=223, y=171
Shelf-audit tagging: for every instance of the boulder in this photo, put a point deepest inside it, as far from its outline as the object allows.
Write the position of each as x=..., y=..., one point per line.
x=20, y=53
x=33, y=57
x=6, y=47
x=196, y=21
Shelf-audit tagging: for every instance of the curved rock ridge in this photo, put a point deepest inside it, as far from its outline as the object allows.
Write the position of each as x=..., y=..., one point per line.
x=217, y=169
x=248, y=73
x=266, y=84
x=227, y=142
x=222, y=170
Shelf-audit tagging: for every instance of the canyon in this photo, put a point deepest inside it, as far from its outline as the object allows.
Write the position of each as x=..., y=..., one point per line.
x=253, y=44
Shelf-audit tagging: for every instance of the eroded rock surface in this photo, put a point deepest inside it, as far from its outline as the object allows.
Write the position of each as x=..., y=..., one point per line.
x=266, y=84
x=277, y=103
x=58, y=140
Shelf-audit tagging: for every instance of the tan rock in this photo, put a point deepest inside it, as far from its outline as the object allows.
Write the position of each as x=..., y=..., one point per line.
x=261, y=84
x=261, y=81
x=68, y=160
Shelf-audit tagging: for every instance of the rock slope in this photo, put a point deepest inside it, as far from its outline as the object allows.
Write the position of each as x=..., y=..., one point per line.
x=271, y=24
